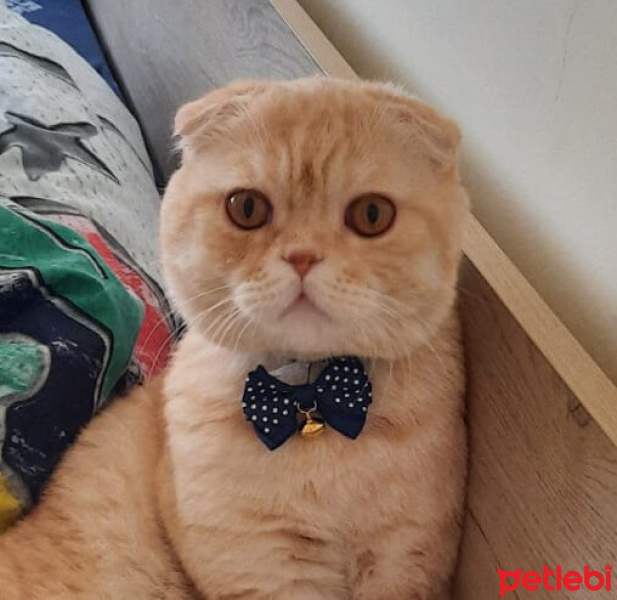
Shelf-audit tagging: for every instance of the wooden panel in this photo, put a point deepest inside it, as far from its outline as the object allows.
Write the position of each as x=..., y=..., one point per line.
x=166, y=53
x=543, y=476
x=575, y=367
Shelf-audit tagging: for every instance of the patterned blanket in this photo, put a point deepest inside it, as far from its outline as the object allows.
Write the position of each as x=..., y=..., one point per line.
x=82, y=316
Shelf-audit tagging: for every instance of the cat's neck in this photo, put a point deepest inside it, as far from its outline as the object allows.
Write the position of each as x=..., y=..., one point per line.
x=287, y=366
x=202, y=371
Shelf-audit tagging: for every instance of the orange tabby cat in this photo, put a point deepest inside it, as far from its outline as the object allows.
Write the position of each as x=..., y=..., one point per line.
x=309, y=219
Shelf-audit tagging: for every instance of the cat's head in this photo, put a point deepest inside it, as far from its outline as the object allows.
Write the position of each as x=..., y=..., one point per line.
x=314, y=217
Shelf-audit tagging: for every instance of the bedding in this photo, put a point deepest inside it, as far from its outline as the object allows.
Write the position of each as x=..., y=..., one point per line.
x=68, y=20
x=82, y=313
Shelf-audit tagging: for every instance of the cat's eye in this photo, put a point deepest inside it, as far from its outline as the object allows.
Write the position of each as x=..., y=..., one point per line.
x=370, y=215
x=248, y=209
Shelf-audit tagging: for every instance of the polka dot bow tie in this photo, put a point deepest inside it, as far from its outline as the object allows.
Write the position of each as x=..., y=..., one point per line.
x=339, y=397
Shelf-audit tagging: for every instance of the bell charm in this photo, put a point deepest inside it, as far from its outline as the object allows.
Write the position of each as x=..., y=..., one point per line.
x=312, y=428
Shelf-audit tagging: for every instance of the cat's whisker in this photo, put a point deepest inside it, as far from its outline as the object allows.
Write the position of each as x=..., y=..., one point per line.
x=391, y=329
x=173, y=331
x=226, y=323
x=204, y=313
x=204, y=294
x=389, y=312
x=388, y=319
x=248, y=323
x=174, y=314
x=218, y=320
x=417, y=318
x=169, y=317
x=194, y=321
x=214, y=322
x=161, y=349
x=232, y=320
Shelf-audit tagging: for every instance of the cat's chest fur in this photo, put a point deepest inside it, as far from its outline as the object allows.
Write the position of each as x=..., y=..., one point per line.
x=218, y=458
x=339, y=491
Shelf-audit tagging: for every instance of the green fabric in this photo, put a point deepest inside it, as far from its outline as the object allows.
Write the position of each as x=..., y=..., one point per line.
x=72, y=268
x=23, y=365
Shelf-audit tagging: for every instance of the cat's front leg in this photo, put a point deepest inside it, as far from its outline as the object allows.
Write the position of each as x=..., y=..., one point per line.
x=288, y=590
x=251, y=557
x=309, y=591
x=407, y=562
x=297, y=592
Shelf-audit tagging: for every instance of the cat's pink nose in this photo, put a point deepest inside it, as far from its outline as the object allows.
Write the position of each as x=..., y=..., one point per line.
x=302, y=261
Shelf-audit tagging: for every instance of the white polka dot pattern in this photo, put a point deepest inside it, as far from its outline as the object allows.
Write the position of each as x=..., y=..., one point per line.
x=341, y=395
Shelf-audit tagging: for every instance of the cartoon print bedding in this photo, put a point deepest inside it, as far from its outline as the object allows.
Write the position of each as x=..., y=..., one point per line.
x=82, y=316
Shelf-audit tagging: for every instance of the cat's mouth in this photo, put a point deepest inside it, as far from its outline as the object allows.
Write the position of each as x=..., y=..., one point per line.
x=304, y=301
x=304, y=305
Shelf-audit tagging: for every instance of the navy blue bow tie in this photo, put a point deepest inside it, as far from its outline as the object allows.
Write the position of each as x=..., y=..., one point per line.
x=340, y=396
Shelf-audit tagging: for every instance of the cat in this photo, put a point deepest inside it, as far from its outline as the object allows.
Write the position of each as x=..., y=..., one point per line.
x=309, y=219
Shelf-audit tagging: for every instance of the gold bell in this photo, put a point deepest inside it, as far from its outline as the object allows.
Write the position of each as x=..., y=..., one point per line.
x=312, y=428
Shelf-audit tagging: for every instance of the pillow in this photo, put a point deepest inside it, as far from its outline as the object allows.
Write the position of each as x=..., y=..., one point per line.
x=82, y=315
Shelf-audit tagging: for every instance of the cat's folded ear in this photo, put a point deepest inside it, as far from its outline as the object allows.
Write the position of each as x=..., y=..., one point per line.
x=435, y=134
x=211, y=115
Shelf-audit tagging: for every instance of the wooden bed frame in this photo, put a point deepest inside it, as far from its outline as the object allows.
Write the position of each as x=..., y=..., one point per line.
x=542, y=415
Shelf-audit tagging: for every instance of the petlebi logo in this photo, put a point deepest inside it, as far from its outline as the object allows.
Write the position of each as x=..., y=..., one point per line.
x=555, y=580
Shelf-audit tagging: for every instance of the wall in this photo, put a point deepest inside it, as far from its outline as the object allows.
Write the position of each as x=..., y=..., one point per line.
x=533, y=84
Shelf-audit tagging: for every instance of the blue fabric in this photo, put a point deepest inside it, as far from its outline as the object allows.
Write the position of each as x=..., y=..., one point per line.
x=68, y=20
x=341, y=396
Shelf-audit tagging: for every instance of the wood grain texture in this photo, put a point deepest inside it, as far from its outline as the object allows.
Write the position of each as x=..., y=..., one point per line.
x=166, y=53
x=577, y=369
x=543, y=476
x=313, y=39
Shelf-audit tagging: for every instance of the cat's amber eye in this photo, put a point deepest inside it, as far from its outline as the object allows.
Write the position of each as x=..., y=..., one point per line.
x=248, y=209
x=370, y=215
